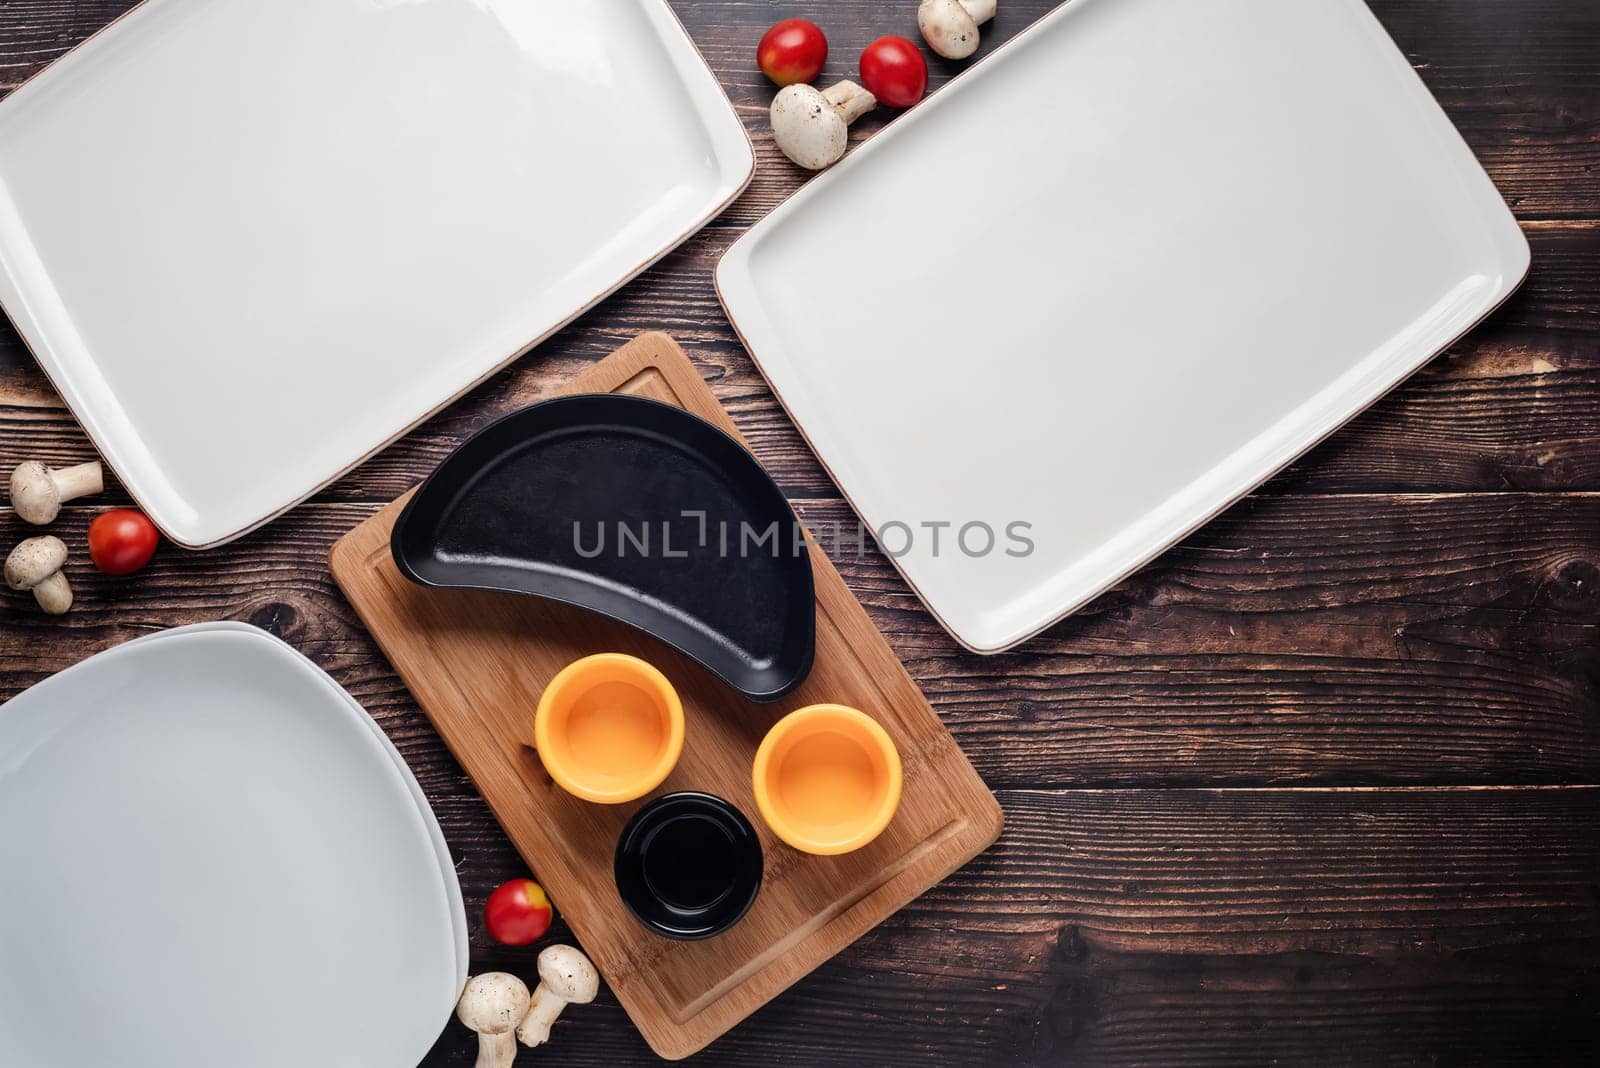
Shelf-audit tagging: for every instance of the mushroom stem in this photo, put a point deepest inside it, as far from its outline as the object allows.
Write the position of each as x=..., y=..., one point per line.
x=54, y=594
x=79, y=480
x=535, y=1027
x=849, y=100
x=496, y=1051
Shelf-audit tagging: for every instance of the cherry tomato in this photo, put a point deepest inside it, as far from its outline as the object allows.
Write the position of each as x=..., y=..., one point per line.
x=121, y=541
x=517, y=912
x=893, y=70
x=794, y=50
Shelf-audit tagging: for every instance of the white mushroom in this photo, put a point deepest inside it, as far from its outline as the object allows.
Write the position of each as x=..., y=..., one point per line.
x=35, y=564
x=37, y=492
x=565, y=977
x=951, y=26
x=812, y=127
x=491, y=1005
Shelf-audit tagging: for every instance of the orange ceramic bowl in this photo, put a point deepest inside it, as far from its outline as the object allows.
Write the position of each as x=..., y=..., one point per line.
x=827, y=779
x=609, y=728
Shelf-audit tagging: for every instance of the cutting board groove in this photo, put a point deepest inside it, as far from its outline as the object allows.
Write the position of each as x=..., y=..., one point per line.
x=477, y=662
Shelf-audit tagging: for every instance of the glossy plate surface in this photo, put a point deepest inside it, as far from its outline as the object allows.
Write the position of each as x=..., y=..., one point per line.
x=202, y=838
x=253, y=243
x=634, y=509
x=441, y=849
x=1114, y=277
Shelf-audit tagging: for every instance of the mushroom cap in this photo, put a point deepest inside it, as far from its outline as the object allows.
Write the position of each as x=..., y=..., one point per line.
x=34, y=560
x=34, y=493
x=569, y=974
x=948, y=27
x=807, y=127
x=493, y=1003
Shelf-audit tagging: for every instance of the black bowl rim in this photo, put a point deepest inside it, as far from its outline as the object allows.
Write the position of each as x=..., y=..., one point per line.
x=704, y=802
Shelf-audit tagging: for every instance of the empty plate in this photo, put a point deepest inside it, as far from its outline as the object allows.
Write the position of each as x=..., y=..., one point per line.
x=208, y=855
x=634, y=509
x=253, y=243
x=441, y=849
x=1140, y=258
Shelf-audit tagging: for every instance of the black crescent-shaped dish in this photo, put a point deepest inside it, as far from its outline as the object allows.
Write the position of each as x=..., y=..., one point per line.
x=633, y=509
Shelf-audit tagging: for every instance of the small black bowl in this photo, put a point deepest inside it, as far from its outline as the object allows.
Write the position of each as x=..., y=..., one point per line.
x=688, y=865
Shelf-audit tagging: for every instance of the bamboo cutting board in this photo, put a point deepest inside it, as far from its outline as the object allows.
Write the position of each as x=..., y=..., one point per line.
x=477, y=662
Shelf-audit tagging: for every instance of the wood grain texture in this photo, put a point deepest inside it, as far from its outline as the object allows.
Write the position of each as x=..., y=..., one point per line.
x=1194, y=927
x=1516, y=405
x=1297, y=640
x=1410, y=607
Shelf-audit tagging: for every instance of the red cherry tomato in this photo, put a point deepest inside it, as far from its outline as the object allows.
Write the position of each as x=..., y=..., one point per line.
x=121, y=541
x=893, y=70
x=517, y=912
x=794, y=50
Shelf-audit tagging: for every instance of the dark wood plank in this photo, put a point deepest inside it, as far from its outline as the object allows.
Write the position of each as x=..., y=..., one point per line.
x=1519, y=80
x=1370, y=639
x=1515, y=405
x=1334, y=639
x=1188, y=928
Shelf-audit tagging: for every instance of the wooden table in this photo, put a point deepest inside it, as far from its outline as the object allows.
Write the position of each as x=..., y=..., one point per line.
x=1318, y=785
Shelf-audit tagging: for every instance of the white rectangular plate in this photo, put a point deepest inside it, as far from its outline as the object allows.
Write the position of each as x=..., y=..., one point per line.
x=253, y=243
x=1109, y=281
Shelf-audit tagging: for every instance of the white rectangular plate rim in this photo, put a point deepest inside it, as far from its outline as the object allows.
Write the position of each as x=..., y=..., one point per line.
x=734, y=284
x=13, y=302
